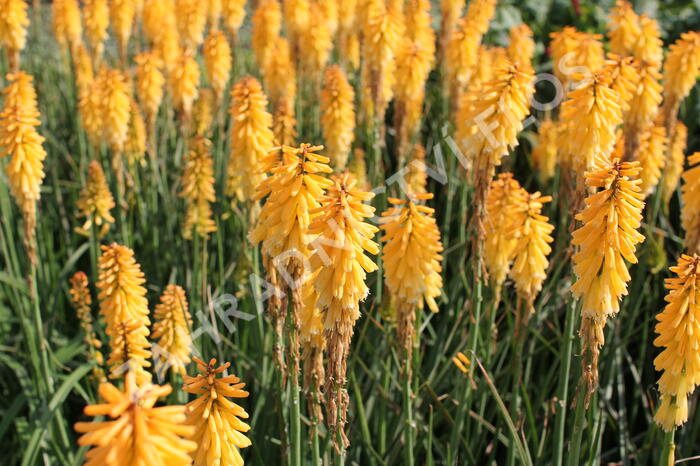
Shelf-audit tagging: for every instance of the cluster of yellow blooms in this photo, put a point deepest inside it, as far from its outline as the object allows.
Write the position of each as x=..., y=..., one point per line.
x=338, y=115
x=95, y=202
x=171, y=329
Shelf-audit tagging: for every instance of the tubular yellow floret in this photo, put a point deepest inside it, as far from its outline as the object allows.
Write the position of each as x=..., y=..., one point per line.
x=216, y=420
x=679, y=336
x=251, y=138
x=198, y=189
x=217, y=60
x=13, y=29
x=136, y=432
x=338, y=116
x=171, y=330
x=95, y=202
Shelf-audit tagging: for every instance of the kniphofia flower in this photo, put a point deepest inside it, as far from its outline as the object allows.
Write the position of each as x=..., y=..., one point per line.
x=149, y=84
x=690, y=211
x=217, y=61
x=417, y=177
x=184, y=84
x=198, y=189
x=544, y=154
x=679, y=336
x=623, y=29
x=13, y=29
x=95, y=202
x=267, y=22
x=191, y=19
x=136, y=432
x=82, y=302
x=674, y=161
x=279, y=74
x=66, y=23
x=338, y=115
x=681, y=70
x=122, y=14
x=652, y=156
x=251, y=138
x=233, y=12
x=606, y=239
x=521, y=46
x=341, y=265
x=284, y=125
x=171, y=330
x=96, y=19
x=218, y=428
x=644, y=106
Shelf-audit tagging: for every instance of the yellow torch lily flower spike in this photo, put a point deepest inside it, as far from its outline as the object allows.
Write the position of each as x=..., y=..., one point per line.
x=218, y=428
x=606, y=239
x=544, y=154
x=171, y=330
x=233, y=13
x=674, y=162
x=251, y=138
x=137, y=432
x=267, y=22
x=681, y=70
x=95, y=202
x=198, y=189
x=337, y=115
x=652, y=157
x=624, y=29
x=122, y=14
x=690, y=212
x=279, y=74
x=96, y=19
x=66, y=24
x=82, y=302
x=149, y=85
x=678, y=332
x=124, y=307
x=20, y=140
x=218, y=62
x=191, y=19
x=341, y=265
x=184, y=84
x=411, y=263
x=13, y=30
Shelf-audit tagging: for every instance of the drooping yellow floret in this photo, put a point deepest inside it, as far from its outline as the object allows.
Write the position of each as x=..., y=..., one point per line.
x=251, y=138
x=341, y=265
x=624, y=29
x=13, y=29
x=171, y=330
x=124, y=307
x=191, y=19
x=122, y=14
x=591, y=114
x=521, y=46
x=690, y=211
x=66, y=24
x=95, y=202
x=217, y=60
x=149, y=84
x=652, y=156
x=218, y=428
x=96, y=19
x=267, y=22
x=674, y=161
x=137, y=433
x=544, y=154
x=606, y=239
x=504, y=198
x=679, y=336
x=198, y=189
x=184, y=84
x=338, y=115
